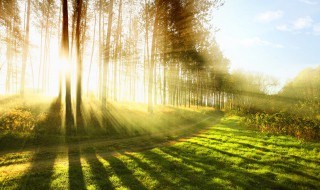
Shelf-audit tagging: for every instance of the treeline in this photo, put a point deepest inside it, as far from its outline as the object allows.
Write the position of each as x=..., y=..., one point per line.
x=157, y=52
x=116, y=50
x=295, y=110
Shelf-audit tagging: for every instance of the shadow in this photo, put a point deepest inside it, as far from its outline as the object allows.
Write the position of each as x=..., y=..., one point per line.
x=76, y=178
x=182, y=175
x=217, y=140
x=51, y=123
x=100, y=174
x=41, y=171
x=165, y=184
x=124, y=174
x=214, y=166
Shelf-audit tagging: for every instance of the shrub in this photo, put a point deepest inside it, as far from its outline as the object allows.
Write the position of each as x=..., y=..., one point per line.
x=18, y=120
x=284, y=123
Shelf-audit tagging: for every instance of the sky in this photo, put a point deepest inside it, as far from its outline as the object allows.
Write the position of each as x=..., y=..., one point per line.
x=272, y=37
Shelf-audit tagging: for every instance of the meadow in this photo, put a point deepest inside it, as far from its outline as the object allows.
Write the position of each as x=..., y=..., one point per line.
x=199, y=149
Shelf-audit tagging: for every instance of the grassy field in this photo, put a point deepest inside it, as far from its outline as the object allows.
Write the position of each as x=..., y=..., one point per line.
x=223, y=156
x=37, y=121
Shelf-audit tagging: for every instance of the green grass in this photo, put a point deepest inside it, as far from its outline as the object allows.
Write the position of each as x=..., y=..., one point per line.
x=224, y=156
x=127, y=120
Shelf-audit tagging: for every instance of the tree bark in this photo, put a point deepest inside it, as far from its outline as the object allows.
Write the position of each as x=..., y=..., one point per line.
x=92, y=51
x=25, y=51
x=69, y=121
x=152, y=64
x=79, y=62
x=107, y=59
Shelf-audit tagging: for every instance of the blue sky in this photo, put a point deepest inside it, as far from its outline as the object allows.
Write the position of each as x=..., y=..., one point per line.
x=273, y=37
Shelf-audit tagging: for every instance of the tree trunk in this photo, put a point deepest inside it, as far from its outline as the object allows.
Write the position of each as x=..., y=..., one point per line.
x=106, y=63
x=152, y=64
x=65, y=55
x=59, y=45
x=91, y=57
x=25, y=51
x=117, y=51
x=79, y=62
x=9, y=55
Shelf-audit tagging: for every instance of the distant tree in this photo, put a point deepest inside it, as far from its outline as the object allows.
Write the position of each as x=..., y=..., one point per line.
x=13, y=39
x=107, y=60
x=25, y=50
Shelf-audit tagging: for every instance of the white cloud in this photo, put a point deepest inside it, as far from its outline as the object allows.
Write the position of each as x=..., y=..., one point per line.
x=269, y=16
x=299, y=24
x=309, y=2
x=316, y=29
x=302, y=23
x=283, y=27
x=256, y=41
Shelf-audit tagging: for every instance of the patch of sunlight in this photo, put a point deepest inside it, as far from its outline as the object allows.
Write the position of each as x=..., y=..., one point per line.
x=116, y=182
x=88, y=176
x=15, y=171
x=114, y=179
x=142, y=175
x=236, y=160
x=179, y=160
x=17, y=157
x=167, y=176
x=223, y=182
x=59, y=178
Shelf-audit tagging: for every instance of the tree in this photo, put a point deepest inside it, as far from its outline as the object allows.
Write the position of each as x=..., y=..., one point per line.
x=13, y=39
x=25, y=51
x=65, y=55
x=107, y=60
x=152, y=63
x=78, y=13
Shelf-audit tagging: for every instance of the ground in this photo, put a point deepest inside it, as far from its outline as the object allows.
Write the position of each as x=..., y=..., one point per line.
x=224, y=155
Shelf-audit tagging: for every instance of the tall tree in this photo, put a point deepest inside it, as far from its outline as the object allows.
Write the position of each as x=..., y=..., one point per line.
x=107, y=59
x=65, y=55
x=25, y=51
x=78, y=12
x=117, y=51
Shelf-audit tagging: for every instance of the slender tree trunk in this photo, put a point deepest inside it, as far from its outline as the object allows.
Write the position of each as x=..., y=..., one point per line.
x=152, y=64
x=79, y=62
x=65, y=54
x=9, y=55
x=100, y=49
x=106, y=63
x=92, y=52
x=146, y=56
x=117, y=51
x=59, y=45
x=25, y=51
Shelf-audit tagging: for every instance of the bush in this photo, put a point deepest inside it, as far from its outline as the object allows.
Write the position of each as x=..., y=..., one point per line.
x=284, y=123
x=18, y=120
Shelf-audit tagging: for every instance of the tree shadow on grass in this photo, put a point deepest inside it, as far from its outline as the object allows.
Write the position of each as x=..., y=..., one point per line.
x=76, y=179
x=165, y=184
x=40, y=173
x=41, y=170
x=99, y=172
x=52, y=120
x=125, y=175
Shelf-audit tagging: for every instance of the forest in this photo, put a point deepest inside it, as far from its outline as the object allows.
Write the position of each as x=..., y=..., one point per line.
x=125, y=94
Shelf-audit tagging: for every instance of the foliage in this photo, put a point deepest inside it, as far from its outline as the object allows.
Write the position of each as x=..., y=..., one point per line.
x=18, y=120
x=285, y=124
x=226, y=156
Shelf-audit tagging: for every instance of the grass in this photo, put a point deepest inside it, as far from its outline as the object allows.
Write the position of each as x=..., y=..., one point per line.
x=224, y=156
x=127, y=121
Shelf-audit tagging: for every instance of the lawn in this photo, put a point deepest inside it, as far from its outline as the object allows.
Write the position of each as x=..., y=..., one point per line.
x=225, y=155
